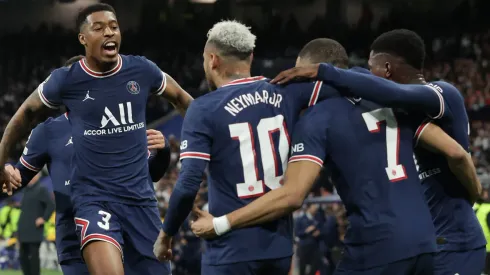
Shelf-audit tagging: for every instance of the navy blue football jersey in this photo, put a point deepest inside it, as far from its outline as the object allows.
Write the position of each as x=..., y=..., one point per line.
x=369, y=151
x=243, y=129
x=51, y=144
x=457, y=227
x=107, y=117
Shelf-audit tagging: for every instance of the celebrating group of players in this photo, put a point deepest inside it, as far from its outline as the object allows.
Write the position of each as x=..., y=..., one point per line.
x=366, y=127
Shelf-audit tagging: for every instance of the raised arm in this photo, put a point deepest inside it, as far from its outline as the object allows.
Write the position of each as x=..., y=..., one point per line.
x=435, y=139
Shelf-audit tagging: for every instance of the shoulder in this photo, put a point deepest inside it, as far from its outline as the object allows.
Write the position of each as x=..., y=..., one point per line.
x=444, y=86
x=136, y=60
x=314, y=117
x=299, y=85
x=57, y=122
x=312, y=86
x=58, y=75
x=448, y=91
x=198, y=106
x=360, y=70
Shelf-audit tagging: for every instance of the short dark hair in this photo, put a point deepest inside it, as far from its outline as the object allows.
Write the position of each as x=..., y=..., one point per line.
x=83, y=14
x=72, y=60
x=325, y=50
x=403, y=43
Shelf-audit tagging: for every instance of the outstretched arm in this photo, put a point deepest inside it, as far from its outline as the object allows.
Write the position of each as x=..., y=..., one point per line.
x=357, y=82
x=299, y=179
x=435, y=139
x=303, y=168
x=166, y=86
x=34, y=156
x=425, y=98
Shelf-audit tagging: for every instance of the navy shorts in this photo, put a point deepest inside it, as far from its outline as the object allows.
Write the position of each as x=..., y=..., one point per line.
x=422, y=264
x=261, y=267
x=131, y=229
x=470, y=262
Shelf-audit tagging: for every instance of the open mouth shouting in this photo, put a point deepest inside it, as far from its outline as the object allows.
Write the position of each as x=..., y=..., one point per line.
x=110, y=49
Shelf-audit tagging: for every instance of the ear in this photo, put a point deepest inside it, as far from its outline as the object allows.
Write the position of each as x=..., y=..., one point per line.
x=81, y=39
x=214, y=61
x=388, y=70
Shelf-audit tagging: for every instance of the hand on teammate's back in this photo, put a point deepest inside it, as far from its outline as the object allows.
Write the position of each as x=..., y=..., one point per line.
x=307, y=71
x=156, y=140
x=203, y=225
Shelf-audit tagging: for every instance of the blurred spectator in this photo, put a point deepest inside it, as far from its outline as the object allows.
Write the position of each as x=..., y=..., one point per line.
x=9, y=217
x=36, y=208
x=307, y=230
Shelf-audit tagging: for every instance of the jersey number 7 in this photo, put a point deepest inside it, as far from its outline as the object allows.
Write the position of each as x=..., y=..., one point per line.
x=373, y=119
x=243, y=132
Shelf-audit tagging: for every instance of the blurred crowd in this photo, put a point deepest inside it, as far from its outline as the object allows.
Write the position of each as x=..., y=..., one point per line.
x=462, y=58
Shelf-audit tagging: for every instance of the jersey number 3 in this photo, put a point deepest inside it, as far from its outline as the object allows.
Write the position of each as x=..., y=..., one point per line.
x=243, y=132
x=373, y=119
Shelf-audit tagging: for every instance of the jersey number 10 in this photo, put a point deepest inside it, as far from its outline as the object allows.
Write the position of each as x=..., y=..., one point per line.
x=243, y=132
x=394, y=170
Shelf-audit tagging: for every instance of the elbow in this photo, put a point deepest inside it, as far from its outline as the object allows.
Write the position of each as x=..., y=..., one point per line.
x=456, y=154
x=478, y=190
x=294, y=201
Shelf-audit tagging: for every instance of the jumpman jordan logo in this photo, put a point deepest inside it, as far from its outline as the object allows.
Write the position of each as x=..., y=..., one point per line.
x=87, y=96
x=70, y=141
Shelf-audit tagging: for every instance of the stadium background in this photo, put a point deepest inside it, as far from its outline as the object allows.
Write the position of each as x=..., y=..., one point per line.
x=37, y=36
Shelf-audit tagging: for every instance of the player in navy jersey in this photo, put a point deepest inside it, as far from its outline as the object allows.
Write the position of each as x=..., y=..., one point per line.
x=106, y=93
x=57, y=154
x=51, y=143
x=450, y=187
x=242, y=131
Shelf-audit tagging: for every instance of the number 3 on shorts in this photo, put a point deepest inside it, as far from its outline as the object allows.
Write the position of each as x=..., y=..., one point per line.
x=105, y=220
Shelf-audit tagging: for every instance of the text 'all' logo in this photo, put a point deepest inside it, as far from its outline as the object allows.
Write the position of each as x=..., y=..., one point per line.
x=125, y=116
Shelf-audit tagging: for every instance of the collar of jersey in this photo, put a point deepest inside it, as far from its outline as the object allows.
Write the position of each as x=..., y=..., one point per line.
x=108, y=73
x=246, y=80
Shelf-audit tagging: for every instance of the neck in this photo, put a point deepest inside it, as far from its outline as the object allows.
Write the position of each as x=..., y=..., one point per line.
x=229, y=77
x=416, y=79
x=98, y=66
x=411, y=76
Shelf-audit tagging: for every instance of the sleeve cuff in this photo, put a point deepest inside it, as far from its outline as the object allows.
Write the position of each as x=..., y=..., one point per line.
x=311, y=158
x=163, y=85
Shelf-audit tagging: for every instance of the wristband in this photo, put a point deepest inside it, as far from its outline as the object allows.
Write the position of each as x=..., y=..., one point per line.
x=221, y=225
